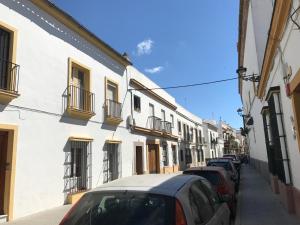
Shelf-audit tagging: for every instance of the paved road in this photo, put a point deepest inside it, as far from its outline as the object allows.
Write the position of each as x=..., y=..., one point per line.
x=48, y=217
x=258, y=205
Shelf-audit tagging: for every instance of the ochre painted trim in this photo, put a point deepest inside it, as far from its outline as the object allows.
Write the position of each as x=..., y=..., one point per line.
x=113, y=141
x=279, y=19
x=80, y=138
x=73, y=25
x=139, y=85
x=75, y=197
x=10, y=174
x=7, y=96
x=13, y=44
x=74, y=112
x=243, y=20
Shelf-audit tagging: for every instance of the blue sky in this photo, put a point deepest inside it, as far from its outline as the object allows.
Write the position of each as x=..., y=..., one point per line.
x=174, y=42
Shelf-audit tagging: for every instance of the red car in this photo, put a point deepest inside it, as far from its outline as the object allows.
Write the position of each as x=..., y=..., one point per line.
x=220, y=181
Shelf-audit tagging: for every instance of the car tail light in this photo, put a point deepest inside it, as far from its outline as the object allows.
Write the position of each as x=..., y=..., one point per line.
x=180, y=217
x=222, y=189
x=66, y=217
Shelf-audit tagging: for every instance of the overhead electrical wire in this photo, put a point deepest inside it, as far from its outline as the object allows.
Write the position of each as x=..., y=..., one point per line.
x=191, y=85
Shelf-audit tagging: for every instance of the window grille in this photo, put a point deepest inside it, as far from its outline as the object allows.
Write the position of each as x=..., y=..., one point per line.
x=112, y=167
x=78, y=166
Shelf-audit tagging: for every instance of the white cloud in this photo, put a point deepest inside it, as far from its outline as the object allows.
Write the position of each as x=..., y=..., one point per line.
x=154, y=69
x=145, y=47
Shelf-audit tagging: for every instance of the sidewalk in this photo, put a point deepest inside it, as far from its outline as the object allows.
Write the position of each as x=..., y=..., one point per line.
x=257, y=204
x=48, y=217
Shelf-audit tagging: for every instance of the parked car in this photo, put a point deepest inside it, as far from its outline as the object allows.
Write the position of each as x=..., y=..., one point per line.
x=236, y=160
x=156, y=199
x=220, y=181
x=229, y=167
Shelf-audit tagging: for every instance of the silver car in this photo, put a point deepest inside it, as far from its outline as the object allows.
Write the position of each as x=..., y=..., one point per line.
x=154, y=199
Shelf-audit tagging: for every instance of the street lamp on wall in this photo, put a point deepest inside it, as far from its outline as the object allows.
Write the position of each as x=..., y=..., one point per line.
x=241, y=71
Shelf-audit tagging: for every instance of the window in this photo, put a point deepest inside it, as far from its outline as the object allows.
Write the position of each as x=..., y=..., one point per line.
x=202, y=210
x=9, y=71
x=174, y=153
x=192, y=134
x=165, y=155
x=172, y=120
x=198, y=155
x=151, y=110
x=137, y=103
x=188, y=155
x=112, y=162
x=78, y=166
x=181, y=155
x=80, y=101
x=179, y=127
x=163, y=115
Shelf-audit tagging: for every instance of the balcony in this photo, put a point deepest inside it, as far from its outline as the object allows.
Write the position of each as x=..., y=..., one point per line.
x=166, y=127
x=9, y=80
x=113, y=112
x=154, y=123
x=80, y=102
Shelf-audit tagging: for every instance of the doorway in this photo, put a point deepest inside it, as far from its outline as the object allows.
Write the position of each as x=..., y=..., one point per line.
x=139, y=160
x=3, y=164
x=8, y=148
x=153, y=158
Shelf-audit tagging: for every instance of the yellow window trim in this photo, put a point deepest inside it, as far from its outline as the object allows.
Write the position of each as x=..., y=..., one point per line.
x=13, y=44
x=87, y=72
x=112, y=82
x=113, y=141
x=80, y=138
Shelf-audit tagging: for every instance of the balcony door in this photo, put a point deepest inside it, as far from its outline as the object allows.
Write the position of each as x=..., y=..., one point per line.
x=4, y=57
x=77, y=89
x=114, y=108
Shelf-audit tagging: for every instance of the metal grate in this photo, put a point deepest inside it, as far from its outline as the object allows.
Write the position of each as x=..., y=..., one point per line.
x=112, y=164
x=113, y=109
x=78, y=162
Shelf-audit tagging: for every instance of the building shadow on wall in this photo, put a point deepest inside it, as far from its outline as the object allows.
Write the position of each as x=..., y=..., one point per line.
x=55, y=28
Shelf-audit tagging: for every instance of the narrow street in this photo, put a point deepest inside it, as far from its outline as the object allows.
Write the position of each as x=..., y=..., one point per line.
x=257, y=204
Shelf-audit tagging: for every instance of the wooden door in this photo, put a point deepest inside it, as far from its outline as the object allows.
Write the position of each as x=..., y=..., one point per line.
x=3, y=163
x=153, y=158
x=139, y=160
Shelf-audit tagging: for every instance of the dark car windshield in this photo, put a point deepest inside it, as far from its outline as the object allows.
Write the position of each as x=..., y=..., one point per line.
x=122, y=208
x=224, y=164
x=212, y=176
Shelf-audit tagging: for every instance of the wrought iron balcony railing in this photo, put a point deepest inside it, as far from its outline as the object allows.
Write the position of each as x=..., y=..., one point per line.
x=113, y=109
x=9, y=76
x=81, y=99
x=154, y=123
x=166, y=126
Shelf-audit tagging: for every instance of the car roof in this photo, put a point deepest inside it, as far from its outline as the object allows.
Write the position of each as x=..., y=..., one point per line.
x=219, y=160
x=205, y=168
x=166, y=184
x=209, y=168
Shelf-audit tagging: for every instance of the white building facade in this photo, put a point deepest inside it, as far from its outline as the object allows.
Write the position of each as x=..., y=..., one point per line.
x=268, y=48
x=74, y=113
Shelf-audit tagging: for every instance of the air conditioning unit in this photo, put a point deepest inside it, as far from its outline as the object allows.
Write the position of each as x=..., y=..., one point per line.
x=130, y=121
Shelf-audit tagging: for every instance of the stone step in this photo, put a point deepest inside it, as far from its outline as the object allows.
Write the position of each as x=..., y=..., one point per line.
x=3, y=218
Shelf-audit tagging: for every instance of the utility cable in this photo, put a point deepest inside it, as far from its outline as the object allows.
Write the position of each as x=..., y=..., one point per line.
x=193, y=85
